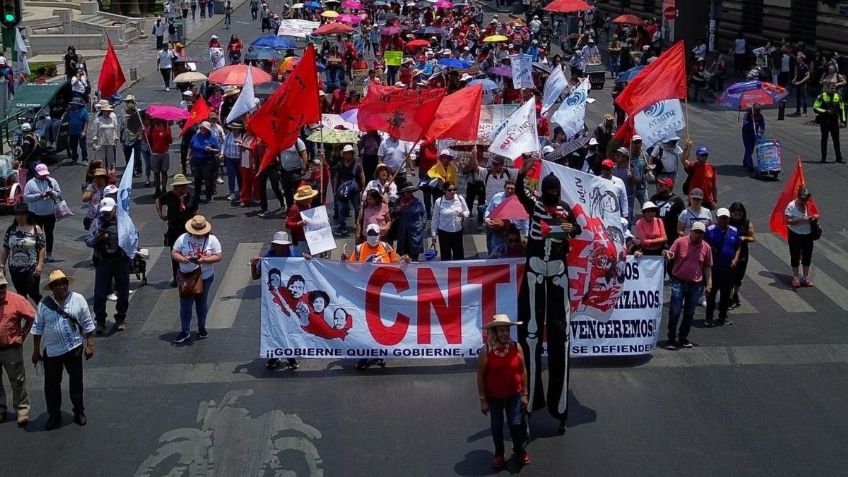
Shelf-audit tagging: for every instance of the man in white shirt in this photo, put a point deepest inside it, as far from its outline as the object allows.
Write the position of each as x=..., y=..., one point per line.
x=395, y=154
x=618, y=185
x=293, y=161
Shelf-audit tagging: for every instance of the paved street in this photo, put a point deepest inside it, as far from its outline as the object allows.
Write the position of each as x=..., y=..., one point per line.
x=762, y=397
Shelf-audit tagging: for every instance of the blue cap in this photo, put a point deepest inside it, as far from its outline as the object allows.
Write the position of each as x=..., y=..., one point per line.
x=702, y=151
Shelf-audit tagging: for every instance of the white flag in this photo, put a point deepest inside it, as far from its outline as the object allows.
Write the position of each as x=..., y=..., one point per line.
x=572, y=111
x=20, y=47
x=554, y=87
x=659, y=121
x=517, y=134
x=522, y=71
x=127, y=234
x=246, y=102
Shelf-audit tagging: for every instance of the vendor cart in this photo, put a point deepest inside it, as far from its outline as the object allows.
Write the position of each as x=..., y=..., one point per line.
x=597, y=74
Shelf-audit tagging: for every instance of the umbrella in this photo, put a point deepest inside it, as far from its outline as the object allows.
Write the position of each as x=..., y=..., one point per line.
x=444, y=4
x=417, y=44
x=274, y=42
x=454, y=63
x=263, y=54
x=234, y=75
x=266, y=89
x=391, y=30
x=297, y=6
x=744, y=95
x=332, y=1
x=348, y=18
x=334, y=136
x=352, y=4
x=495, y=38
x=329, y=14
x=333, y=29
x=504, y=71
x=313, y=5
x=567, y=6
x=166, y=112
x=289, y=63
x=488, y=85
x=628, y=19
x=429, y=31
x=509, y=209
x=189, y=77
x=629, y=74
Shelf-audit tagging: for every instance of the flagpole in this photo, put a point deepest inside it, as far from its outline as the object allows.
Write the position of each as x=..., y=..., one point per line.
x=686, y=112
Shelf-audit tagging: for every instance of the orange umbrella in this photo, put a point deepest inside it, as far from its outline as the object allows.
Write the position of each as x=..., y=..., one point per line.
x=567, y=6
x=333, y=29
x=235, y=75
x=628, y=19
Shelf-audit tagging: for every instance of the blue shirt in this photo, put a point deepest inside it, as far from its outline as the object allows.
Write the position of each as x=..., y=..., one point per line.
x=724, y=244
x=58, y=334
x=198, y=147
x=77, y=119
x=231, y=149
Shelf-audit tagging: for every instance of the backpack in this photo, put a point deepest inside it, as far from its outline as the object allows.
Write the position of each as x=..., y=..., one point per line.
x=657, y=161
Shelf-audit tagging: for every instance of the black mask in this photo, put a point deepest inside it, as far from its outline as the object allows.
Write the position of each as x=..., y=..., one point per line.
x=551, y=190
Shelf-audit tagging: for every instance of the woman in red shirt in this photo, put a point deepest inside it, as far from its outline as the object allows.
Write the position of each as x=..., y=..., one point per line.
x=650, y=231
x=234, y=48
x=502, y=386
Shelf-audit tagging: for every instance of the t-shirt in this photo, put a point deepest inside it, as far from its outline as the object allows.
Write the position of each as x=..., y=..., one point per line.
x=23, y=248
x=669, y=157
x=394, y=152
x=689, y=217
x=381, y=253
x=794, y=212
x=165, y=59
x=690, y=259
x=290, y=158
x=190, y=246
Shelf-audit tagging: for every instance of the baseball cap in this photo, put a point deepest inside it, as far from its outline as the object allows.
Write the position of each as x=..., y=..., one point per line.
x=696, y=193
x=666, y=182
x=702, y=151
x=372, y=228
x=110, y=189
x=722, y=212
x=606, y=163
x=593, y=142
x=347, y=148
x=446, y=152
x=636, y=137
x=699, y=226
x=547, y=149
x=623, y=151
x=41, y=170
x=281, y=238
x=107, y=204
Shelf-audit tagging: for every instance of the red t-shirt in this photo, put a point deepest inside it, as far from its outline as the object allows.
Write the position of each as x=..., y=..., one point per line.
x=503, y=373
x=160, y=139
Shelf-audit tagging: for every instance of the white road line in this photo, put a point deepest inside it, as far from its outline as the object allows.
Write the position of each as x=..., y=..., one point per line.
x=829, y=286
x=745, y=307
x=781, y=294
x=229, y=296
x=832, y=252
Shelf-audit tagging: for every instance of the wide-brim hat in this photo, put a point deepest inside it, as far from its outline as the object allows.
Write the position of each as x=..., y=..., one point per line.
x=179, y=179
x=78, y=101
x=409, y=188
x=381, y=167
x=101, y=172
x=55, y=276
x=198, y=225
x=500, y=320
x=305, y=192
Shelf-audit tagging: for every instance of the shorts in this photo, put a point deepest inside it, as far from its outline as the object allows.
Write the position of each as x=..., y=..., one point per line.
x=160, y=162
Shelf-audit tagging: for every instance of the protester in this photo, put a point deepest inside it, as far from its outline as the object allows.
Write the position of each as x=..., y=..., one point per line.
x=618, y=187
x=197, y=251
x=513, y=247
x=104, y=137
x=293, y=166
x=745, y=227
x=691, y=276
x=159, y=137
x=204, y=160
x=294, y=221
x=702, y=175
x=165, y=63
x=232, y=149
x=450, y=211
x=409, y=216
x=16, y=320
x=725, y=242
x=131, y=136
x=61, y=322
x=666, y=156
x=41, y=194
x=650, y=231
x=753, y=128
x=180, y=207
x=77, y=126
x=375, y=210
x=694, y=213
x=800, y=223
x=830, y=114
x=348, y=182
x=111, y=266
x=23, y=248
x=381, y=184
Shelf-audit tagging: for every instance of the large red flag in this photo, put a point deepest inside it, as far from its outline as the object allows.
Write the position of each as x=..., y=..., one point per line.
x=664, y=78
x=111, y=74
x=199, y=112
x=777, y=224
x=458, y=115
x=295, y=103
x=403, y=113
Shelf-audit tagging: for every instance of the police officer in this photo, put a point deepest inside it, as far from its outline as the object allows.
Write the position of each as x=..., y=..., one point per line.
x=830, y=111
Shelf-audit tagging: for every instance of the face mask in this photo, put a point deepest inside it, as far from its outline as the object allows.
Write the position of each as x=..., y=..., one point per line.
x=373, y=240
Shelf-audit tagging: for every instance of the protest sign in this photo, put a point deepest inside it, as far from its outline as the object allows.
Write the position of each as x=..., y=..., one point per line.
x=572, y=112
x=492, y=116
x=518, y=134
x=319, y=234
x=393, y=58
x=522, y=71
x=659, y=121
x=297, y=28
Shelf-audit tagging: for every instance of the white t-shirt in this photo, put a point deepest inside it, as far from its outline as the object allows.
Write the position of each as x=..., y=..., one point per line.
x=689, y=217
x=290, y=158
x=795, y=213
x=165, y=59
x=393, y=152
x=670, y=157
x=190, y=246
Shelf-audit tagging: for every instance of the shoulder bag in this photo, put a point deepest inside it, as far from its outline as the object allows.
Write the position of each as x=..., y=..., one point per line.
x=190, y=284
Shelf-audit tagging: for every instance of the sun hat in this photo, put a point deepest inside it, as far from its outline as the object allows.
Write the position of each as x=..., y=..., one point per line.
x=281, y=238
x=21, y=208
x=409, y=188
x=304, y=192
x=497, y=159
x=548, y=149
x=101, y=172
x=129, y=98
x=699, y=226
x=649, y=205
x=347, y=148
x=465, y=77
x=42, y=170
x=696, y=193
x=206, y=125
x=236, y=125
x=179, y=179
x=110, y=189
x=593, y=142
x=722, y=212
x=372, y=228
x=107, y=204
x=500, y=320
x=55, y=276
x=198, y=225
x=107, y=107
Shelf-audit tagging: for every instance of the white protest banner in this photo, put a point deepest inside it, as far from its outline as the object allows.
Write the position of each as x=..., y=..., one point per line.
x=127, y=233
x=518, y=133
x=659, y=121
x=492, y=116
x=522, y=71
x=318, y=232
x=327, y=309
x=296, y=28
x=246, y=101
x=554, y=86
x=330, y=121
x=572, y=112
x=596, y=260
x=634, y=326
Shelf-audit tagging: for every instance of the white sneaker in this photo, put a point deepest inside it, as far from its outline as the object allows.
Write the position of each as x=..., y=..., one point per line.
x=219, y=181
x=112, y=297
x=703, y=301
x=167, y=89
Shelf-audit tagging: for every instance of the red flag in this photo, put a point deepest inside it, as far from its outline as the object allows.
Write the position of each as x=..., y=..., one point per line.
x=777, y=224
x=664, y=78
x=293, y=105
x=111, y=74
x=199, y=112
x=403, y=113
x=458, y=115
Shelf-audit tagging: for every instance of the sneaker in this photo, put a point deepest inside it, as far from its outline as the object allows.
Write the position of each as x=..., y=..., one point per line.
x=202, y=333
x=219, y=181
x=183, y=337
x=709, y=323
x=122, y=326
x=231, y=197
x=112, y=297
x=293, y=365
x=703, y=301
x=684, y=343
x=54, y=421
x=671, y=345
x=99, y=329
x=23, y=418
x=80, y=419
x=723, y=322
x=498, y=462
x=147, y=183
x=167, y=89
x=806, y=282
x=796, y=283
x=50, y=257
x=524, y=458
x=264, y=213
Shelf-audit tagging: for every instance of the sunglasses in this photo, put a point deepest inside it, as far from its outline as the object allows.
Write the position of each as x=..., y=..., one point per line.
x=451, y=190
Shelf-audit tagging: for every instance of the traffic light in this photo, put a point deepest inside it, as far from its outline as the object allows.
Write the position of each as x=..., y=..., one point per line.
x=11, y=13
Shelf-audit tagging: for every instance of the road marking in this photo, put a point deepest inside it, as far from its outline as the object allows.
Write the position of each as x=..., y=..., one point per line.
x=781, y=293
x=230, y=294
x=155, y=253
x=829, y=286
x=832, y=252
x=745, y=307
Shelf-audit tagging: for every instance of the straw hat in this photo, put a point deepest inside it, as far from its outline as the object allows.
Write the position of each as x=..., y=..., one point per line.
x=198, y=225
x=500, y=320
x=55, y=276
x=101, y=172
x=304, y=192
x=179, y=180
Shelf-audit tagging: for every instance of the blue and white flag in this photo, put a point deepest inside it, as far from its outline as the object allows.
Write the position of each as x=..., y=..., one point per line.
x=127, y=234
x=554, y=87
x=522, y=71
x=659, y=121
x=572, y=112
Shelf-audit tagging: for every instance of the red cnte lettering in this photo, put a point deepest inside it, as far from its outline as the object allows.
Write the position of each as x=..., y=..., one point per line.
x=489, y=277
x=382, y=334
x=448, y=312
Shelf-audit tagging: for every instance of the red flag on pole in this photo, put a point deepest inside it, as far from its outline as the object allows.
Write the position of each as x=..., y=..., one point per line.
x=404, y=113
x=199, y=112
x=664, y=78
x=777, y=224
x=111, y=74
x=295, y=103
x=458, y=115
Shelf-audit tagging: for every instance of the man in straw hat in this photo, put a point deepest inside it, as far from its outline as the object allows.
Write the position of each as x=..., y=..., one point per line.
x=502, y=388
x=16, y=319
x=62, y=322
x=180, y=207
x=111, y=265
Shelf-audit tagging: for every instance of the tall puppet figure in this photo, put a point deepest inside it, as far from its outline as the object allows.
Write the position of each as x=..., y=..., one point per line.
x=543, y=302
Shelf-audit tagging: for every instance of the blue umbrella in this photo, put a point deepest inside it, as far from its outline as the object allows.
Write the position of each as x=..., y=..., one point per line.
x=454, y=63
x=629, y=74
x=274, y=42
x=744, y=95
x=488, y=85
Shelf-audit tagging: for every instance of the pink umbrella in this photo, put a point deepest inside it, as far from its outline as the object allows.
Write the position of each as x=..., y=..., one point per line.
x=348, y=18
x=352, y=4
x=444, y=4
x=166, y=112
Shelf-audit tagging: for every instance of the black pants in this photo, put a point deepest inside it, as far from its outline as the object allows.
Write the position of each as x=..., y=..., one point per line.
x=830, y=126
x=269, y=173
x=26, y=284
x=53, y=365
x=800, y=249
x=107, y=272
x=450, y=245
x=722, y=283
x=48, y=224
x=171, y=235
x=290, y=181
x=369, y=165
x=476, y=191
x=77, y=147
x=203, y=173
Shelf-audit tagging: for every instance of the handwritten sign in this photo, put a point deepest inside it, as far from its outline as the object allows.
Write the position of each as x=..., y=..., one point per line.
x=319, y=234
x=296, y=28
x=394, y=58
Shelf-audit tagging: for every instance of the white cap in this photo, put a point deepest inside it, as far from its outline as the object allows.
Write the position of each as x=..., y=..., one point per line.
x=446, y=152
x=699, y=226
x=26, y=127
x=547, y=149
x=107, y=204
x=722, y=212
x=347, y=148
x=110, y=189
x=188, y=93
x=372, y=228
x=593, y=142
x=206, y=125
x=636, y=137
x=213, y=37
x=281, y=238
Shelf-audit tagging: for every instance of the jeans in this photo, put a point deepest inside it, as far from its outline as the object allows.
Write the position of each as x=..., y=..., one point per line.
x=107, y=272
x=26, y=284
x=800, y=98
x=77, y=141
x=342, y=207
x=684, y=297
x=53, y=365
x=233, y=177
x=200, y=307
x=722, y=282
x=514, y=419
x=12, y=360
x=203, y=173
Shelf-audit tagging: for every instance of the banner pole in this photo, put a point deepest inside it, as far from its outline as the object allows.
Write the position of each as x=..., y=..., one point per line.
x=686, y=111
